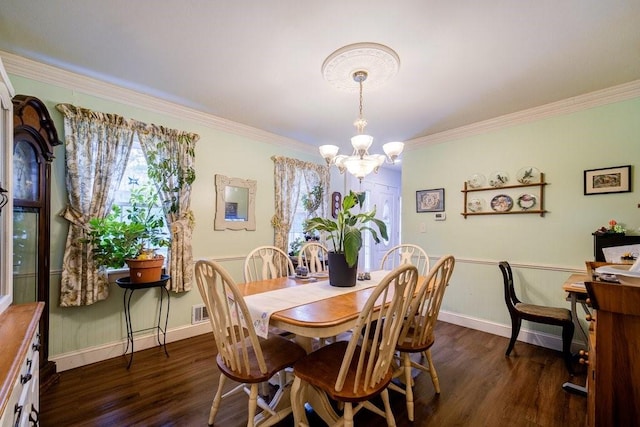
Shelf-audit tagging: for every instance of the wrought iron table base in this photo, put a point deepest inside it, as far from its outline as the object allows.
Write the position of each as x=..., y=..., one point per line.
x=129, y=288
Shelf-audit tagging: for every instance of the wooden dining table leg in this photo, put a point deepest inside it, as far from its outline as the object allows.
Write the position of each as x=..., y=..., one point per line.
x=316, y=398
x=304, y=342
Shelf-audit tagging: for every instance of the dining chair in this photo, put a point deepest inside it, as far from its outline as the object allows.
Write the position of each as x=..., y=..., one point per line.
x=536, y=313
x=417, y=335
x=406, y=253
x=351, y=372
x=242, y=357
x=314, y=256
x=267, y=262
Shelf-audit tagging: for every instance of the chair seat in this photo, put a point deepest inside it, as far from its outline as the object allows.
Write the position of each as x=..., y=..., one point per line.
x=537, y=312
x=321, y=369
x=407, y=346
x=279, y=353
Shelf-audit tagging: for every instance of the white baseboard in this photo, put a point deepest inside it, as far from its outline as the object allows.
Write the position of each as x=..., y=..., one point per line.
x=90, y=355
x=541, y=339
x=97, y=354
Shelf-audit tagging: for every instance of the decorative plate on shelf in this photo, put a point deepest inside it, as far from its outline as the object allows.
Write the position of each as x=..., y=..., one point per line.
x=475, y=205
x=528, y=175
x=476, y=180
x=502, y=203
x=527, y=201
x=498, y=179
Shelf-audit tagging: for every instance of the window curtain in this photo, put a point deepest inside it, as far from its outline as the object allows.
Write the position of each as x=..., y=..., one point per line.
x=170, y=155
x=294, y=177
x=97, y=149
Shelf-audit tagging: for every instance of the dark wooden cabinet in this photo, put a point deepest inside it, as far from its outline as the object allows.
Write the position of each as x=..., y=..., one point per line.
x=614, y=371
x=608, y=240
x=34, y=137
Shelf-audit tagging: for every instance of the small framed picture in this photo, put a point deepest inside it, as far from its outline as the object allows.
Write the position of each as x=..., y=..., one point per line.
x=430, y=200
x=607, y=180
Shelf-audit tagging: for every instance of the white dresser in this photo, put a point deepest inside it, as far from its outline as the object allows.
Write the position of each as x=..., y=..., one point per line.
x=19, y=378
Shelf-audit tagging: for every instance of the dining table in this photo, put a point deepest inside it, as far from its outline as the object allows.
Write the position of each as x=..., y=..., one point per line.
x=311, y=309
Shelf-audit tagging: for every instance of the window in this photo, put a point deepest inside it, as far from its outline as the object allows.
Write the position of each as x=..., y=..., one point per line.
x=307, y=205
x=135, y=175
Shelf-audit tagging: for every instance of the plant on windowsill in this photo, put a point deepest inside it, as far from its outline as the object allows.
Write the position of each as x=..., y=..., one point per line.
x=131, y=236
x=345, y=235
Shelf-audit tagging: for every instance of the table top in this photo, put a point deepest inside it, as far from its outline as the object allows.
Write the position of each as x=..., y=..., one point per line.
x=126, y=283
x=575, y=283
x=319, y=319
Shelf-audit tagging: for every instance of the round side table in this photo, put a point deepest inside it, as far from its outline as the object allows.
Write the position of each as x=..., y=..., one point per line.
x=129, y=289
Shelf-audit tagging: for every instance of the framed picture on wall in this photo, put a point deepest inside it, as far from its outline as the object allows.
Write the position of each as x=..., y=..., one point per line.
x=607, y=180
x=430, y=200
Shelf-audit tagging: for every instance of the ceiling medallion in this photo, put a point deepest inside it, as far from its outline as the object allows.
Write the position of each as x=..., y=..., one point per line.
x=379, y=61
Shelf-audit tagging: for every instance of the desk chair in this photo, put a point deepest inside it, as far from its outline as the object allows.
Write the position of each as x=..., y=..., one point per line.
x=417, y=332
x=241, y=356
x=314, y=256
x=536, y=313
x=267, y=262
x=403, y=254
x=350, y=372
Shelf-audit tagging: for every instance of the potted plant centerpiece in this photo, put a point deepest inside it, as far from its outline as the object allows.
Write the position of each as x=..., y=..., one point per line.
x=345, y=235
x=131, y=236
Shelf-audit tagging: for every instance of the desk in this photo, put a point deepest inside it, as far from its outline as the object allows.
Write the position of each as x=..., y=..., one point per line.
x=577, y=293
x=129, y=289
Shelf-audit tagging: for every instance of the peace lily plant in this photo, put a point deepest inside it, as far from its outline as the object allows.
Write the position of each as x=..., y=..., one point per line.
x=345, y=232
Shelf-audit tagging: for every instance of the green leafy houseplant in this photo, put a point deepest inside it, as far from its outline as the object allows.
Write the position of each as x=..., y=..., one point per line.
x=130, y=234
x=345, y=232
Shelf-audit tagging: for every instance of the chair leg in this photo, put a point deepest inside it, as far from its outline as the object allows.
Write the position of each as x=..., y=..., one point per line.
x=432, y=371
x=253, y=405
x=567, y=337
x=348, y=414
x=391, y=421
x=408, y=382
x=515, y=330
x=216, y=399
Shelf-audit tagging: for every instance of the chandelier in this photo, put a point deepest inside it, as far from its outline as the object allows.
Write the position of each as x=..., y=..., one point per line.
x=360, y=163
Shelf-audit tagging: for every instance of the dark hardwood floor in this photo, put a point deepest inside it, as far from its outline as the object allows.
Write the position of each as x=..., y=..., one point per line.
x=480, y=387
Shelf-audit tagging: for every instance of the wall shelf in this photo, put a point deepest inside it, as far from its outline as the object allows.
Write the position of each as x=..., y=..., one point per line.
x=509, y=190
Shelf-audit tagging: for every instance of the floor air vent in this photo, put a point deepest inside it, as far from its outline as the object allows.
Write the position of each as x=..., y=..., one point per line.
x=199, y=314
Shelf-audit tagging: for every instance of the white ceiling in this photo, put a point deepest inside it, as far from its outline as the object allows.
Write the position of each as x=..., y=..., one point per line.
x=258, y=62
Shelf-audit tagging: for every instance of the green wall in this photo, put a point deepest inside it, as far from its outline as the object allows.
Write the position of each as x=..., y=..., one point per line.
x=217, y=152
x=546, y=249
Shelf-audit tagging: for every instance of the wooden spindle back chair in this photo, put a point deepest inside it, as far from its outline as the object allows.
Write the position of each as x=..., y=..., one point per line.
x=314, y=256
x=353, y=372
x=267, y=262
x=417, y=335
x=406, y=254
x=242, y=357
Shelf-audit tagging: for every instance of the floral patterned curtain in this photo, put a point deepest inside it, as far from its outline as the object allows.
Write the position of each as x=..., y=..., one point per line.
x=97, y=148
x=170, y=155
x=293, y=177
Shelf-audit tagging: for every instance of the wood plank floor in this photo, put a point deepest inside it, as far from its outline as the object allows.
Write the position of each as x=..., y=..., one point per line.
x=480, y=387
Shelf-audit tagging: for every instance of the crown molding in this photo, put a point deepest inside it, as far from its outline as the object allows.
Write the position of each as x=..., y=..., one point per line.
x=38, y=71
x=597, y=98
x=48, y=74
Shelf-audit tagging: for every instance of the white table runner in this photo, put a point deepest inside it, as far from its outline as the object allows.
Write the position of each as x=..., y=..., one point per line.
x=263, y=305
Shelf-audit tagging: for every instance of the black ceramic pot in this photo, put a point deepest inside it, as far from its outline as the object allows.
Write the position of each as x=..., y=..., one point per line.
x=340, y=274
